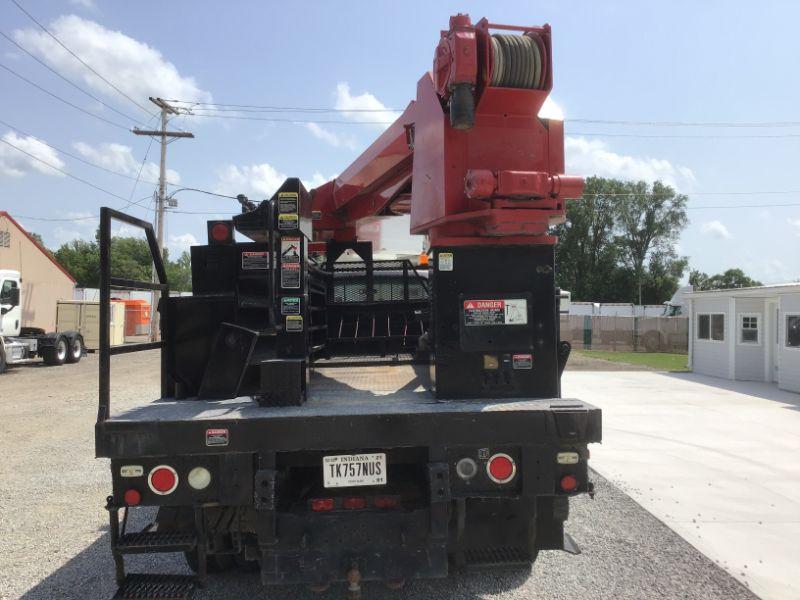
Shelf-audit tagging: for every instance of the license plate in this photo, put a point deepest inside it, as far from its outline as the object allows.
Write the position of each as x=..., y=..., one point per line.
x=350, y=470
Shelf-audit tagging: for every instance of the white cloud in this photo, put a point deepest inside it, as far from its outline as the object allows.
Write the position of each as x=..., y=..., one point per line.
x=794, y=224
x=364, y=107
x=593, y=157
x=551, y=110
x=317, y=179
x=334, y=139
x=87, y=4
x=82, y=226
x=255, y=181
x=178, y=244
x=716, y=229
x=134, y=67
x=770, y=270
x=119, y=158
x=260, y=181
x=14, y=163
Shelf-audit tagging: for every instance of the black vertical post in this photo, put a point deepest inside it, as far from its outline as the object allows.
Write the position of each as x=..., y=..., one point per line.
x=104, y=407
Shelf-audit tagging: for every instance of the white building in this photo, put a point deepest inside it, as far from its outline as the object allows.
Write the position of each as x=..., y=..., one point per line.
x=750, y=334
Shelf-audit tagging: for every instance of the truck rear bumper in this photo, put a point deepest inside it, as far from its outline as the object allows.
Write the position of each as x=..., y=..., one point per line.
x=382, y=547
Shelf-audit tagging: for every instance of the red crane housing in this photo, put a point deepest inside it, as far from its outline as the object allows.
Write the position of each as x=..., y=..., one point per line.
x=469, y=159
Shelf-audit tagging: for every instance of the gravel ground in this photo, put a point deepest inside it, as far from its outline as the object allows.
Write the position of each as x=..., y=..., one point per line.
x=54, y=541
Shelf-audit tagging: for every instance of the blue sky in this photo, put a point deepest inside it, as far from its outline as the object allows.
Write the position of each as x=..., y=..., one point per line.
x=631, y=61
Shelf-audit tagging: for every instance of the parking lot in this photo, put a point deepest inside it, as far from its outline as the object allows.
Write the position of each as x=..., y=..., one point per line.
x=53, y=531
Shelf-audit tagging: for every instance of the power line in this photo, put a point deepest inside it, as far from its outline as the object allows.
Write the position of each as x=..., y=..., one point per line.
x=215, y=107
x=74, y=156
x=288, y=120
x=76, y=86
x=60, y=99
x=78, y=58
x=588, y=134
x=688, y=136
x=686, y=123
x=85, y=218
x=139, y=174
x=63, y=172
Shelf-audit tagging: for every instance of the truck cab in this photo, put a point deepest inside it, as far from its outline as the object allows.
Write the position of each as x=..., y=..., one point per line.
x=20, y=344
x=10, y=308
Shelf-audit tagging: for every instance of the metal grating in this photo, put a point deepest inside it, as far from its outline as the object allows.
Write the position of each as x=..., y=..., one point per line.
x=392, y=281
x=503, y=555
x=155, y=541
x=138, y=586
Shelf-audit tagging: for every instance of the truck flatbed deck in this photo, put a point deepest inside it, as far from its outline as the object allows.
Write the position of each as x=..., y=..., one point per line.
x=392, y=403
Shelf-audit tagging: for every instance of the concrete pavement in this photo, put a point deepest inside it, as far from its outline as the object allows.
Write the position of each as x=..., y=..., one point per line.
x=717, y=461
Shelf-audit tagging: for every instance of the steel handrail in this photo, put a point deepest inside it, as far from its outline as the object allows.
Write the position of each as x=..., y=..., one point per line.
x=106, y=284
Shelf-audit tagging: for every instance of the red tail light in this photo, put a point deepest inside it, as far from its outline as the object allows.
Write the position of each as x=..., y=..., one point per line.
x=501, y=468
x=132, y=497
x=322, y=504
x=385, y=502
x=220, y=232
x=354, y=503
x=569, y=483
x=162, y=480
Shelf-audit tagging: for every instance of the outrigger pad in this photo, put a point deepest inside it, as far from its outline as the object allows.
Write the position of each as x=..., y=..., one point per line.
x=230, y=355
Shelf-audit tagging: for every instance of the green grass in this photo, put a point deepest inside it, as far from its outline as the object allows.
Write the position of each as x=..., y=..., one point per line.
x=661, y=361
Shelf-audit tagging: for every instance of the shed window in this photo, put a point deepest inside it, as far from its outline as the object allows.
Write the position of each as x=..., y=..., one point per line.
x=711, y=327
x=748, y=331
x=793, y=331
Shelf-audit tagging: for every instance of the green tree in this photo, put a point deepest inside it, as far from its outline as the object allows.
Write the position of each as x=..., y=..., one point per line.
x=587, y=252
x=130, y=259
x=618, y=243
x=82, y=260
x=664, y=273
x=650, y=221
x=179, y=272
x=732, y=278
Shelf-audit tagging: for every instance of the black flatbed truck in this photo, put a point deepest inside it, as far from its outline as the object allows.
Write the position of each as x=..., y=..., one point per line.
x=266, y=506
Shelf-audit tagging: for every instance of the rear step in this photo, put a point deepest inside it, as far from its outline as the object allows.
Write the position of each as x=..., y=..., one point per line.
x=156, y=541
x=505, y=556
x=140, y=586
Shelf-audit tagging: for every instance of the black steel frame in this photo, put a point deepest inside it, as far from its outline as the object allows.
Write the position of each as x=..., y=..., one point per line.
x=107, y=283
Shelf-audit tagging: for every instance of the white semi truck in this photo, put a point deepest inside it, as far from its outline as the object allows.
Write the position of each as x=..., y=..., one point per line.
x=18, y=344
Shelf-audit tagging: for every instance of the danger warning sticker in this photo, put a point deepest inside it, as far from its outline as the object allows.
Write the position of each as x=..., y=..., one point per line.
x=255, y=260
x=522, y=361
x=496, y=312
x=217, y=437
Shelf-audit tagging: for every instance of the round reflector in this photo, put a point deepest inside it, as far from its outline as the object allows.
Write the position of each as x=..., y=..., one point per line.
x=220, y=232
x=199, y=478
x=569, y=483
x=466, y=468
x=132, y=497
x=162, y=480
x=501, y=468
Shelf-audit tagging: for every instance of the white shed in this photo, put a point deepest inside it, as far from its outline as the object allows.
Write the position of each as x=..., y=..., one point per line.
x=751, y=334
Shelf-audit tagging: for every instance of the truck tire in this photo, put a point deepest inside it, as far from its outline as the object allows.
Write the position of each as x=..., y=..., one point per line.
x=57, y=354
x=2, y=359
x=75, y=351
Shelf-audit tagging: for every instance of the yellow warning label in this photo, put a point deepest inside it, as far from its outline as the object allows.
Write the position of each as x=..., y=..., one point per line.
x=294, y=323
x=290, y=221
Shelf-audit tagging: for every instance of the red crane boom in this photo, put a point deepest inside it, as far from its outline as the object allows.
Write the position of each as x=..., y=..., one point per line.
x=469, y=159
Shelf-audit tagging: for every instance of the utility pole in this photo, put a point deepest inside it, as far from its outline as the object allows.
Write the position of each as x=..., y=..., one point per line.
x=166, y=137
